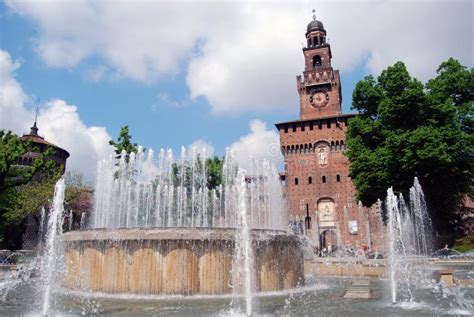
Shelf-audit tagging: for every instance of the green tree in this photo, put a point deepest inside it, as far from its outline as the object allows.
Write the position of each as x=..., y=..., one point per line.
x=213, y=172
x=124, y=143
x=407, y=129
x=23, y=189
x=78, y=196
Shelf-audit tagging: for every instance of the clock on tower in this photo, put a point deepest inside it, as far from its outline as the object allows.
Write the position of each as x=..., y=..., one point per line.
x=319, y=87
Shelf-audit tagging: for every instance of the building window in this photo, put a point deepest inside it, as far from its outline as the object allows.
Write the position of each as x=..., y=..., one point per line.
x=316, y=60
x=311, y=126
x=286, y=128
x=328, y=122
x=296, y=180
x=324, y=179
x=310, y=180
x=302, y=126
x=338, y=178
x=294, y=127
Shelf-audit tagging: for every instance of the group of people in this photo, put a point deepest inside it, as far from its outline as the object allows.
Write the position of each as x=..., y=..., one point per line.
x=297, y=226
x=325, y=252
x=348, y=251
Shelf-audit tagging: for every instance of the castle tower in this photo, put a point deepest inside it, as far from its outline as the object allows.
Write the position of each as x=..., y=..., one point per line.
x=319, y=190
x=39, y=145
x=319, y=88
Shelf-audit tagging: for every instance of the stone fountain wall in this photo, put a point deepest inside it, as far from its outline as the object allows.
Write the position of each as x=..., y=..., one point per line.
x=183, y=261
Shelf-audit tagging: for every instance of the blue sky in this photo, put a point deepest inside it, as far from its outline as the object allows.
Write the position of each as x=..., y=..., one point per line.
x=166, y=104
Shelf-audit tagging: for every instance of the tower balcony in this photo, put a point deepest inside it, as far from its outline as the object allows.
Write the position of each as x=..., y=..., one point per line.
x=320, y=77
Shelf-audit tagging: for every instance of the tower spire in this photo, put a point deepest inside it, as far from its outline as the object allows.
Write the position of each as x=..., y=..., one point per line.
x=34, y=128
x=314, y=14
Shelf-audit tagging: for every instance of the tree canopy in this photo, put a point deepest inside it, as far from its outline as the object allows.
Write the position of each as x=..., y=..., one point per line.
x=406, y=129
x=213, y=168
x=23, y=189
x=124, y=143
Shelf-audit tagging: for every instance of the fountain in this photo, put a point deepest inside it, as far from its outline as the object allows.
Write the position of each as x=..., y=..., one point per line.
x=54, y=229
x=161, y=229
x=162, y=241
x=408, y=238
x=238, y=262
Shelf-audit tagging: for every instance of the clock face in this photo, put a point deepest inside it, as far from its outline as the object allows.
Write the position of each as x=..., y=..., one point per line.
x=319, y=99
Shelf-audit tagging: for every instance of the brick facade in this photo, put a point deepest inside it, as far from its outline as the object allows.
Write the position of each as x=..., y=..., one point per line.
x=318, y=187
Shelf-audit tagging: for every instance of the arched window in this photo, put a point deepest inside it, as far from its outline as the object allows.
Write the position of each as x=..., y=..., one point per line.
x=324, y=179
x=316, y=60
x=338, y=178
x=315, y=41
x=296, y=180
x=310, y=180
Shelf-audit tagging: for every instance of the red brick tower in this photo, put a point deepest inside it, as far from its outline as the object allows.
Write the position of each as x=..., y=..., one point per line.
x=318, y=187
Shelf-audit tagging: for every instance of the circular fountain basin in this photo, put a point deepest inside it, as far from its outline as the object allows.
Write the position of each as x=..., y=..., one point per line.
x=182, y=261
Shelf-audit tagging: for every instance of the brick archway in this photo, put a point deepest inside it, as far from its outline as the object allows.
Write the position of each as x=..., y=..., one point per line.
x=328, y=238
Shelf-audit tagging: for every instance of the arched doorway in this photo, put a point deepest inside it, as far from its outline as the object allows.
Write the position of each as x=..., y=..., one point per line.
x=328, y=238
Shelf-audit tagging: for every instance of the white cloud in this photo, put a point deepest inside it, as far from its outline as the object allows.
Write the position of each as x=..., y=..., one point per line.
x=13, y=115
x=261, y=143
x=164, y=99
x=200, y=146
x=58, y=122
x=244, y=56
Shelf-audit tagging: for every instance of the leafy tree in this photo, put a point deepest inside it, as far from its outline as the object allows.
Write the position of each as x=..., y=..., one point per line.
x=23, y=189
x=124, y=143
x=78, y=196
x=407, y=129
x=213, y=172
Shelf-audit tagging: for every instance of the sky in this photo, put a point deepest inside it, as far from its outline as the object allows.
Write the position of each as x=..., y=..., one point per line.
x=210, y=74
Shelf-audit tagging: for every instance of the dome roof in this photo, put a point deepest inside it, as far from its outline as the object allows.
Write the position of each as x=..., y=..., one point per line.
x=315, y=25
x=34, y=138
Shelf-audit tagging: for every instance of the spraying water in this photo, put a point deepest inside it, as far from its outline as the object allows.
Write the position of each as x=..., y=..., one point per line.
x=408, y=237
x=70, y=220
x=54, y=229
x=41, y=229
x=244, y=243
x=141, y=194
x=82, y=224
